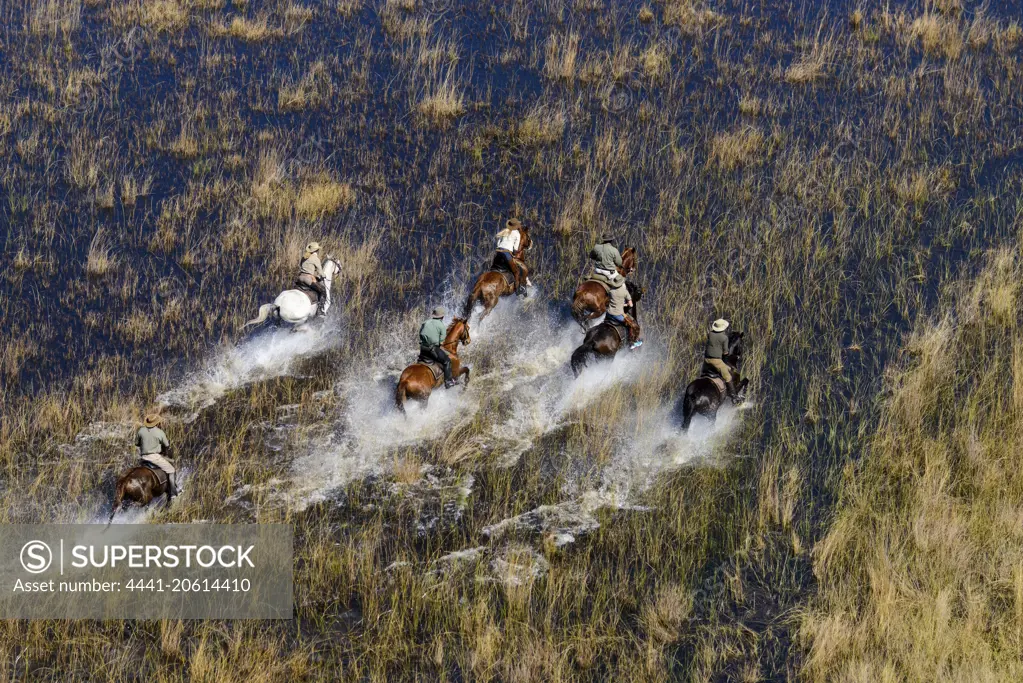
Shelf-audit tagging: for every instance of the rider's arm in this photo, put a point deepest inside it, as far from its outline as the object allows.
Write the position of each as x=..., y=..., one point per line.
x=618, y=258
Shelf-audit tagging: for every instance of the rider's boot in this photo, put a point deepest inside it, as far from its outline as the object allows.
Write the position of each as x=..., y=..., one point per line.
x=172, y=486
x=730, y=391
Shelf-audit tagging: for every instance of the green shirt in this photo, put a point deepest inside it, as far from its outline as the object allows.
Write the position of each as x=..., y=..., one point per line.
x=606, y=256
x=717, y=345
x=151, y=440
x=432, y=332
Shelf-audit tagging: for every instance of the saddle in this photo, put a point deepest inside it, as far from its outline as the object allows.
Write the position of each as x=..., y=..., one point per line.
x=435, y=367
x=161, y=476
x=304, y=283
x=620, y=329
x=708, y=371
x=509, y=277
x=600, y=281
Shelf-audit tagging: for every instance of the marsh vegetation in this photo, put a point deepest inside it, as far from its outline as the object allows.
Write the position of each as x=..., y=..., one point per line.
x=832, y=179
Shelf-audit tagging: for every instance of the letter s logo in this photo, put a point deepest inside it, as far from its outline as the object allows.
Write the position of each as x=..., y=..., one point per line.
x=36, y=557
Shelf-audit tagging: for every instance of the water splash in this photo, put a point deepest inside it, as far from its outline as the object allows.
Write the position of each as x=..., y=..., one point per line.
x=272, y=353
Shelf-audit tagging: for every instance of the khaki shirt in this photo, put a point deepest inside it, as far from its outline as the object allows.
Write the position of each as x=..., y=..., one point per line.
x=151, y=440
x=619, y=300
x=312, y=266
x=606, y=256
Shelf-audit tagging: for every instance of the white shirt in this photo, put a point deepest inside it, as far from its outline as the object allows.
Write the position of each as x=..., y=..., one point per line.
x=509, y=242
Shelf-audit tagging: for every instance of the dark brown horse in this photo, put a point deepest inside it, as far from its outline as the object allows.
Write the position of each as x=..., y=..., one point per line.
x=139, y=486
x=590, y=301
x=604, y=341
x=417, y=381
x=492, y=285
x=704, y=395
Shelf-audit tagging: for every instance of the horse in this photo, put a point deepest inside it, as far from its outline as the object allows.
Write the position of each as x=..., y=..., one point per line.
x=297, y=306
x=704, y=395
x=492, y=285
x=140, y=486
x=604, y=341
x=590, y=300
x=417, y=381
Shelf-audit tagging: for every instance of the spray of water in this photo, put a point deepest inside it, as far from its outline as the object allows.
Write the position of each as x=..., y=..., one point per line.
x=271, y=353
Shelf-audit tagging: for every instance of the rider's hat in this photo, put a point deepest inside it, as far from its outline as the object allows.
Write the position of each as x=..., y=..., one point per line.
x=719, y=325
x=312, y=247
x=608, y=238
x=513, y=224
x=439, y=312
x=152, y=419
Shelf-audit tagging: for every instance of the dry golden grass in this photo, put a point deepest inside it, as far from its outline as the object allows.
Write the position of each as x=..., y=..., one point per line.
x=938, y=35
x=920, y=574
x=248, y=29
x=442, y=101
x=321, y=197
x=737, y=148
x=562, y=52
x=656, y=62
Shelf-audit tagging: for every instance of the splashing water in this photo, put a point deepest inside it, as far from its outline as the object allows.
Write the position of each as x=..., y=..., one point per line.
x=274, y=353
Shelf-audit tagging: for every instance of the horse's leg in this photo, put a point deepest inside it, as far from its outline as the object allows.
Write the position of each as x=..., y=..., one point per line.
x=580, y=359
x=399, y=397
x=118, y=498
x=688, y=408
x=465, y=373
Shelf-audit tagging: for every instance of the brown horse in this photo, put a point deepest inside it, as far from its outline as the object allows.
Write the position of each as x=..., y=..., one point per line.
x=139, y=486
x=417, y=381
x=604, y=341
x=492, y=285
x=590, y=301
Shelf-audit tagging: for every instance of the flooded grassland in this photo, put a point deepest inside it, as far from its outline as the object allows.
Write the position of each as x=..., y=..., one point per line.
x=817, y=175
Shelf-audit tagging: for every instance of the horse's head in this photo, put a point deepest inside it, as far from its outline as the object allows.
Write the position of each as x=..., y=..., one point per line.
x=636, y=290
x=330, y=268
x=525, y=241
x=735, y=348
x=458, y=332
x=628, y=261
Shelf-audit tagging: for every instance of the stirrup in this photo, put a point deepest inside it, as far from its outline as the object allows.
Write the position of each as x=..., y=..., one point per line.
x=449, y=383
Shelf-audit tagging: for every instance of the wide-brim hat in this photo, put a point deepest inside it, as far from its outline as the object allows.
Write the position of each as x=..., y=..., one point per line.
x=312, y=247
x=608, y=238
x=719, y=325
x=439, y=312
x=513, y=224
x=152, y=420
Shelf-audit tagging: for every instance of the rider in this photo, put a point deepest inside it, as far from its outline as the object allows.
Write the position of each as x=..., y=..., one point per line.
x=606, y=260
x=153, y=445
x=717, y=348
x=508, y=241
x=311, y=274
x=431, y=336
x=619, y=299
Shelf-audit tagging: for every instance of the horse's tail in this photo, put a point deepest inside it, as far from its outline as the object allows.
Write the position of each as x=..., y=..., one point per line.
x=265, y=311
x=400, y=395
x=118, y=499
x=580, y=313
x=580, y=358
x=470, y=302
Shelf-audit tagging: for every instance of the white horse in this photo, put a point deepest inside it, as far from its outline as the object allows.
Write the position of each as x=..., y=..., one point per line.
x=295, y=306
